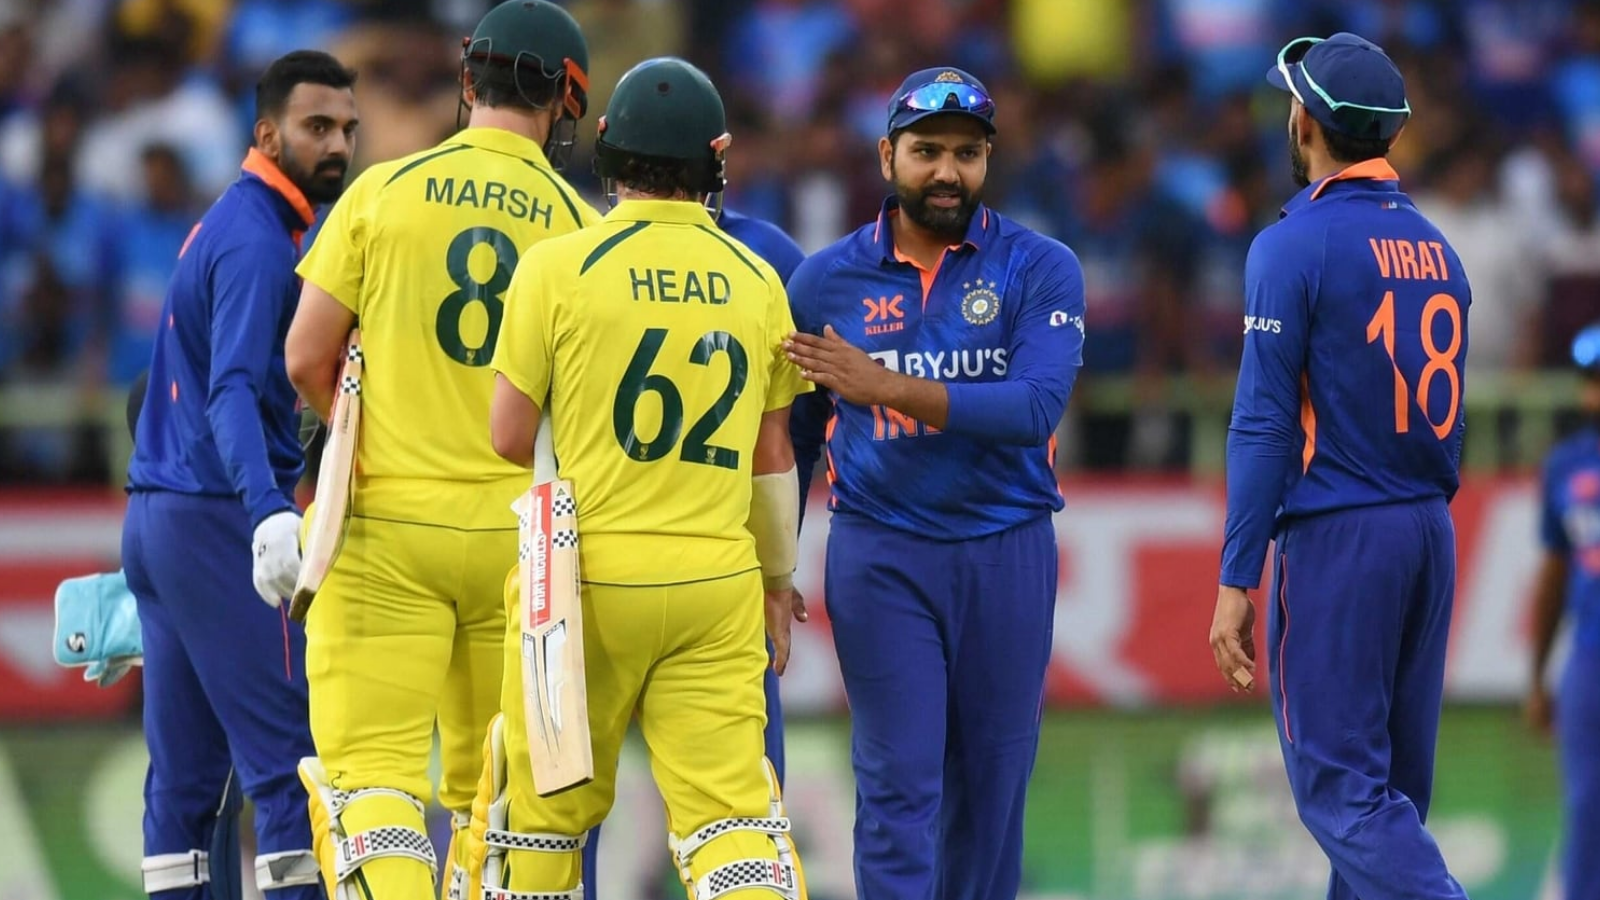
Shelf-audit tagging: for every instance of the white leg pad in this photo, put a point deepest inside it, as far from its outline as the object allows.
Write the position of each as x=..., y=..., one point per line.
x=288, y=868
x=748, y=873
x=354, y=850
x=171, y=871
x=500, y=839
x=782, y=875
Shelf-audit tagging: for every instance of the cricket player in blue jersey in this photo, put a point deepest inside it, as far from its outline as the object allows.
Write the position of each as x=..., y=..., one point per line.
x=1345, y=446
x=212, y=528
x=946, y=339
x=1569, y=586
x=781, y=252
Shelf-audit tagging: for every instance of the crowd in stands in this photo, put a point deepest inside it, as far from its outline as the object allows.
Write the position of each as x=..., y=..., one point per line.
x=1139, y=132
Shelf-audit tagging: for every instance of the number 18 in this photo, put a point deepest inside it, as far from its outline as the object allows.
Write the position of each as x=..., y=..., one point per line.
x=1382, y=325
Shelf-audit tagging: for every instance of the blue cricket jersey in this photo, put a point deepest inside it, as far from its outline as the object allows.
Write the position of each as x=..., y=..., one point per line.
x=999, y=320
x=219, y=417
x=1350, y=387
x=766, y=239
x=1569, y=525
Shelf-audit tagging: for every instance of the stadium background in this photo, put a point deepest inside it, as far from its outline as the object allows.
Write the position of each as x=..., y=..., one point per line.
x=1138, y=131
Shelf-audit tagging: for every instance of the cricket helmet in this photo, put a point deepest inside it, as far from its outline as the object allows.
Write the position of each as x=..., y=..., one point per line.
x=535, y=42
x=665, y=109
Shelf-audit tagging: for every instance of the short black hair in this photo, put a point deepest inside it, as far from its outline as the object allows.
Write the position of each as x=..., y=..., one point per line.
x=298, y=67
x=1351, y=150
x=495, y=84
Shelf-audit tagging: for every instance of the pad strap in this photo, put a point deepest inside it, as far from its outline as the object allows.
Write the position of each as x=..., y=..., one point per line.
x=497, y=893
x=541, y=843
x=687, y=847
x=171, y=871
x=376, y=843
x=747, y=873
x=287, y=868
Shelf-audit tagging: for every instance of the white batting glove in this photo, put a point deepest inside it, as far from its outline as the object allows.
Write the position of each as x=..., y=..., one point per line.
x=276, y=554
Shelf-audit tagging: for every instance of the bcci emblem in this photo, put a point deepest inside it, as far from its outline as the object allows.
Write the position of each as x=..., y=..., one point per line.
x=981, y=304
x=948, y=77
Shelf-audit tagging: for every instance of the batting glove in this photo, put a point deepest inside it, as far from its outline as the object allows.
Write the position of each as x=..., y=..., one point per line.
x=276, y=552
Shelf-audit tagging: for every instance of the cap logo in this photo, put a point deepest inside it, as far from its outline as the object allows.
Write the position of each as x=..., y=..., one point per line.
x=950, y=76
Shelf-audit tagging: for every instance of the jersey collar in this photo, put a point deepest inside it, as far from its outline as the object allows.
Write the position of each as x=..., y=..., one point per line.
x=883, y=234
x=258, y=164
x=499, y=140
x=677, y=212
x=1377, y=170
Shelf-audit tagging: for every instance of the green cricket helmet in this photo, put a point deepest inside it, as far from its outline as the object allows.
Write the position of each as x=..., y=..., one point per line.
x=539, y=43
x=665, y=110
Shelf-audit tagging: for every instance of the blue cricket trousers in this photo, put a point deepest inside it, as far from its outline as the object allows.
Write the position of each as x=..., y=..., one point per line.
x=1578, y=735
x=943, y=648
x=1358, y=623
x=224, y=682
x=774, y=736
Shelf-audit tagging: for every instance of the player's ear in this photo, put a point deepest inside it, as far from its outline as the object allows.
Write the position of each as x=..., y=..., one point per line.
x=1396, y=139
x=1305, y=125
x=469, y=96
x=886, y=157
x=268, y=138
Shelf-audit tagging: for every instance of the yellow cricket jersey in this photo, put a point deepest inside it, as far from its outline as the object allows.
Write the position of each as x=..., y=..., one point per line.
x=658, y=341
x=422, y=250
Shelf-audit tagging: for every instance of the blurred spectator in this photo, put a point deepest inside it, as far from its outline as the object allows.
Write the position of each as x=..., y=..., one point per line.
x=149, y=96
x=621, y=34
x=777, y=49
x=1465, y=204
x=410, y=86
x=194, y=25
x=1140, y=252
x=1575, y=84
x=1571, y=257
x=1056, y=41
x=16, y=56
x=59, y=262
x=152, y=233
x=1137, y=131
x=1509, y=44
x=1226, y=44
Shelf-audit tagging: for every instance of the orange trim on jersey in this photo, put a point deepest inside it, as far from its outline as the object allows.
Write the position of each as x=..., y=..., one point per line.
x=1371, y=169
x=1050, y=450
x=1308, y=424
x=926, y=275
x=257, y=164
x=827, y=439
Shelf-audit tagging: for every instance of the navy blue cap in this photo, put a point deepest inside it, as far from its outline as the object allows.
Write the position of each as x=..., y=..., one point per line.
x=932, y=92
x=1346, y=82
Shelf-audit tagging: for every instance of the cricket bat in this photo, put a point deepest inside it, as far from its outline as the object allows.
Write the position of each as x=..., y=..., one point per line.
x=334, y=479
x=554, y=695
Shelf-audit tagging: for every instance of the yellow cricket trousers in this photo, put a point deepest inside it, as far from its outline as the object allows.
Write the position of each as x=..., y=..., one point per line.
x=689, y=659
x=405, y=632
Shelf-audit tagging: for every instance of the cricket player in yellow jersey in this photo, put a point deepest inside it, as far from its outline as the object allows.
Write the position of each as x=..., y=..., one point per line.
x=406, y=630
x=654, y=341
